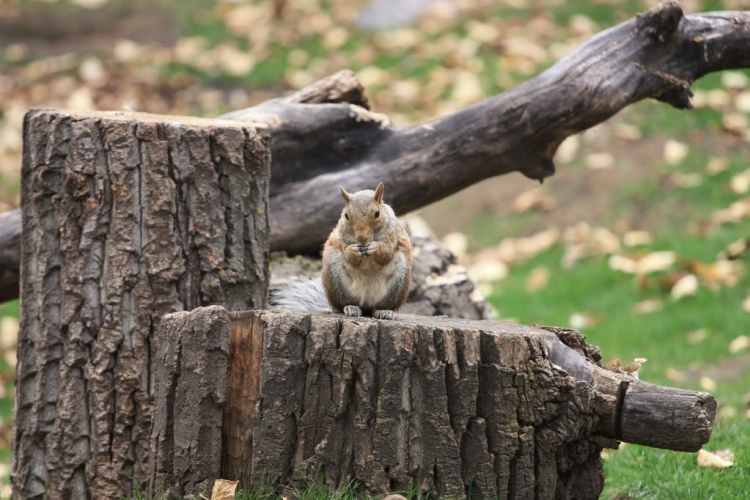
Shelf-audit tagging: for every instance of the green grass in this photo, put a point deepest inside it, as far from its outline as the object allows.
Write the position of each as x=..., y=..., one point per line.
x=591, y=287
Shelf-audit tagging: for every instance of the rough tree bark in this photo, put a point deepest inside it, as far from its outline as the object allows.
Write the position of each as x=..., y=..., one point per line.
x=319, y=144
x=324, y=136
x=126, y=217
x=452, y=406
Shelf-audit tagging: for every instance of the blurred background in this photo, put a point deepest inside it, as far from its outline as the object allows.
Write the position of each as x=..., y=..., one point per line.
x=641, y=240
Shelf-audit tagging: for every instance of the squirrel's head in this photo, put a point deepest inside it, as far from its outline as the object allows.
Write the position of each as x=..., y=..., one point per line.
x=364, y=215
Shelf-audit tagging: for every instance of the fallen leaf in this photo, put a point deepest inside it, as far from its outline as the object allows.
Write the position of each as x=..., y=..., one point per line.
x=567, y=150
x=726, y=412
x=707, y=384
x=686, y=180
x=735, y=122
x=675, y=152
x=649, y=263
x=537, y=279
x=581, y=320
x=674, y=375
x=739, y=343
x=8, y=333
x=635, y=365
x=627, y=132
x=685, y=286
x=714, y=460
x=697, y=336
x=736, y=249
x=612, y=364
x=733, y=213
x=636, y=238
x=648, y=306
x=534, y=199
x=456, y=242
x=597, y=161
x=742, y=102
x=717, y=165
x=488, y=270
x=747, y=414
x=734, y=79
x=746, y=305
x=740, y=183
x=224, y=489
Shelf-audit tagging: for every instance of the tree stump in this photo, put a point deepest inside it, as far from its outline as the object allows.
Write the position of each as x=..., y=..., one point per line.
x=126, y=217
x=457, y=408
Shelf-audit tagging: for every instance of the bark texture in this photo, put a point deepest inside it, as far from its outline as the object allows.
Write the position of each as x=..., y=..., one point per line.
x=459, y=408
x=319, y=144
x=126, y=217
x=186, y=438
x=439, y=287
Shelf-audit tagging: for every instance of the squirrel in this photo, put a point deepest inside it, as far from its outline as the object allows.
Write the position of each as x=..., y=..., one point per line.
x=367, y=263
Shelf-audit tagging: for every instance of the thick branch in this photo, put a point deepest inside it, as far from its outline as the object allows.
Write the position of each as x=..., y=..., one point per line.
x=10, y=254
x=317, y=147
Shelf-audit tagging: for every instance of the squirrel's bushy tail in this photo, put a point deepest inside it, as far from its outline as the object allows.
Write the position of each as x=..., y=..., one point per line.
x=303, y=294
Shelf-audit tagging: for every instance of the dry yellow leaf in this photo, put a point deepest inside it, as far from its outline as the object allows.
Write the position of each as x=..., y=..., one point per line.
x=674, y=375
x=636, y=238
x=715, y=459
x=648, y=306
x=740, y=343
x=635, y=365
x=675, y=152
x=740, y=183
x=685, y=286
x=717, y=165
x=537, y=279
x=534, y=199
x=456, y=242
x=597, y=161
x=612, y=363
x=746, y=305
x=488, y=270
x=697, y=336
x=224, y=489
x=707, y=383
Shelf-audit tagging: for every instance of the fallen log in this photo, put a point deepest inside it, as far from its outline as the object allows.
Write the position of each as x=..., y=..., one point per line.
x=10, y=254
x=456, y=408
x=324, y=135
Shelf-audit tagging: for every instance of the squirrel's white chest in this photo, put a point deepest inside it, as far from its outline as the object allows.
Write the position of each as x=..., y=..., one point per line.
x=370, y=283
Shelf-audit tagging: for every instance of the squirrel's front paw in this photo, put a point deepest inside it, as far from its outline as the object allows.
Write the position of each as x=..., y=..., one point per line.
x=383, y=314
x=370, y=249
x=353, y=311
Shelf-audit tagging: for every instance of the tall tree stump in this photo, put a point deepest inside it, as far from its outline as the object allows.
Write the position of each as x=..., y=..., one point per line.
x=126, y=217
x=458, y=408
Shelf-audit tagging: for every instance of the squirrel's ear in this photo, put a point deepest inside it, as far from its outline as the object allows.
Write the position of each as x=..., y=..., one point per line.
x=379, y=193
x=347, y=196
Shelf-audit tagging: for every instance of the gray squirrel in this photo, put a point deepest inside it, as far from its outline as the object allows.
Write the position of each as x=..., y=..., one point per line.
x=367, y=262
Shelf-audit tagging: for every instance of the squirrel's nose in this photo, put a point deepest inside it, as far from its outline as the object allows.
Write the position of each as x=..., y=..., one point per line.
x=362, y=239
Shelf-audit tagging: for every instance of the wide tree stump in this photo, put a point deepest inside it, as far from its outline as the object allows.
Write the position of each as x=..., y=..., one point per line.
x=457, y=408
x=126, y=217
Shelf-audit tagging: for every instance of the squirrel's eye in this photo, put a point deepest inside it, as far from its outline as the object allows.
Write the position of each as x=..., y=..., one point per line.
x=377, y=213
x=347, y=216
